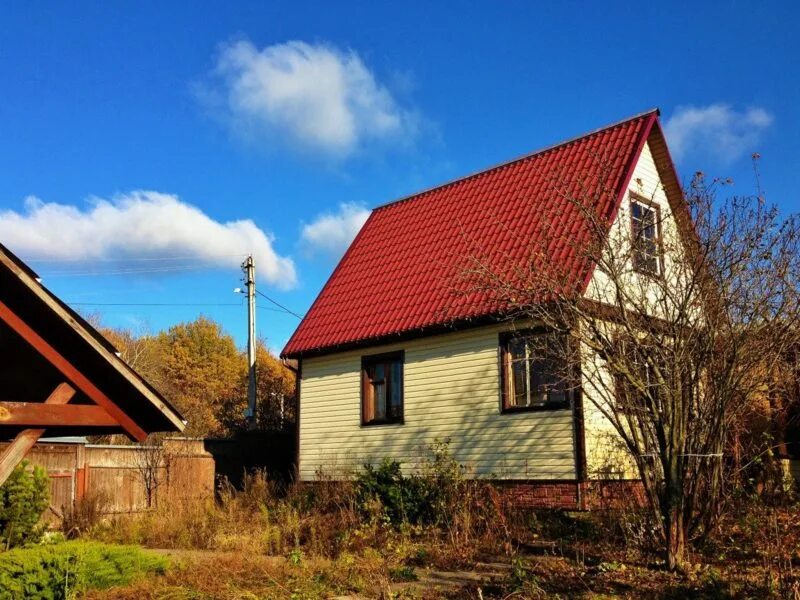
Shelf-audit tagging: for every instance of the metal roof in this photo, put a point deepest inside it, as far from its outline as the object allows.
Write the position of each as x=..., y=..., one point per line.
x=403, y=273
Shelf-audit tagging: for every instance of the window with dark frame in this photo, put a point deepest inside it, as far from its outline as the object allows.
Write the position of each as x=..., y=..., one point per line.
x=535, y=374
x=646, y=393
x=646, y=234
x=382, y=389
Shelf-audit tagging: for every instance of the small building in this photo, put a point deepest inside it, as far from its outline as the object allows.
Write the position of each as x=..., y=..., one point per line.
x=60, y=376
x=398, y=351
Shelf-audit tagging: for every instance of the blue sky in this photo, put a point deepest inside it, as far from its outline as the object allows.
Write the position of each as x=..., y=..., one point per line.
x=144, y=147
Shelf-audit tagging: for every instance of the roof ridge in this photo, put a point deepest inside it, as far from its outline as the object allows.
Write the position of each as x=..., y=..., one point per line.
x=526, y=156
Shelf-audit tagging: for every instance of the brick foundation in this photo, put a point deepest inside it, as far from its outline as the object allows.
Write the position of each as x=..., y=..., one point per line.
x=540, y=494
x=572, y=495
x=565, y=495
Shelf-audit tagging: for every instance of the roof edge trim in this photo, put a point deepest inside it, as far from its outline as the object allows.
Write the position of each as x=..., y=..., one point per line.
x=633, y=160
x=114, y=361
x=402, y=336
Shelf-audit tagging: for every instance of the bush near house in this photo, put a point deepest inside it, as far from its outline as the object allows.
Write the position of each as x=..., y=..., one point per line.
x=23, y=499
x=333, y=517
x=429, y=496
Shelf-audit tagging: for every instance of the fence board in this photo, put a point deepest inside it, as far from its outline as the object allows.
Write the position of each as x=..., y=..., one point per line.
x=76, y=469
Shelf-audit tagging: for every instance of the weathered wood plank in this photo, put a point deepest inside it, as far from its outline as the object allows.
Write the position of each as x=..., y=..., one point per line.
x=25, y=440
x=38, y=414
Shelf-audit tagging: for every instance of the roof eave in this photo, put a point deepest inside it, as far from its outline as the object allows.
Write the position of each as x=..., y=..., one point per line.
x=90, y=335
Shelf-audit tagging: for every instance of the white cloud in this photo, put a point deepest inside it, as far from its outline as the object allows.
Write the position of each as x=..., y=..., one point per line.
x=140, y=224
x=316, y=97
x=331, y=233
x=717, y=130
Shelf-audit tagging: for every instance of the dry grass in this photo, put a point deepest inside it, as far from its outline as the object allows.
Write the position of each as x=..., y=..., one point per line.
x=326, y=520
x=330, y=539
x=240, y=575
x=752, y=556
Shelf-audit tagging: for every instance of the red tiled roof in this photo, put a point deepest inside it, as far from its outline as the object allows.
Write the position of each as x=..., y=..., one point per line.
x=401, y=273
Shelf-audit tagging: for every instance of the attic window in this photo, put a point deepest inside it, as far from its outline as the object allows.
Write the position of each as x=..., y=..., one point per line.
x=382, y=389
x=646, y=236
x=535, y=371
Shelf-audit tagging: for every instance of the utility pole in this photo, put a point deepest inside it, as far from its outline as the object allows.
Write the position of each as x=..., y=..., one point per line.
x=249, y=268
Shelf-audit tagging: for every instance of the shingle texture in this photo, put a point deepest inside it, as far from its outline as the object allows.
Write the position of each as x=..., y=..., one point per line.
x=405, y=271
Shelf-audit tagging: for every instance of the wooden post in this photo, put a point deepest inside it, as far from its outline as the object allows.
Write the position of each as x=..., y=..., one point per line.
x=80, y=472
x=26, y=438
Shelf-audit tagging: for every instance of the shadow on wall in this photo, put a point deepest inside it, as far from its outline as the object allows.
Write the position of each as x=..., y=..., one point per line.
x=451, y=393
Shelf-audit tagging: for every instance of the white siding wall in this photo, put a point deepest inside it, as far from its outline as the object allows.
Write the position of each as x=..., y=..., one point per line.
x=604, y=453
x=647, y=184
x=451, y=390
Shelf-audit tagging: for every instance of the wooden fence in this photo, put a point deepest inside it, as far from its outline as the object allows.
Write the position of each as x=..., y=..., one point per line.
x=182, y=469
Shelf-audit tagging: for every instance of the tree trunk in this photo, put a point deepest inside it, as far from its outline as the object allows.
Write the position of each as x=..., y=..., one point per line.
x=675, y=550
x=675, y=521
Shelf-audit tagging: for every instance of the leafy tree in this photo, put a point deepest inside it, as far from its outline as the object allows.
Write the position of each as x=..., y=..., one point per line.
x=275, y=392
x=197, y=367
x=23, y=499
x=202, y=369
x=140, y=349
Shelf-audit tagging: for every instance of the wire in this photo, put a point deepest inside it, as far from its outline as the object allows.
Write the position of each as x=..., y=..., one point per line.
x=155, y=303
x=125, y=259
x=275, y=310
x=122, y=271
x=169, y=304
x=279, y=305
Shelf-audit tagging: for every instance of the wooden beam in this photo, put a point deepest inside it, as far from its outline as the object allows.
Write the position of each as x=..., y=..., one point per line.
x=21, y=445
x=70, y=372
x=82, y=329
x=38, y=414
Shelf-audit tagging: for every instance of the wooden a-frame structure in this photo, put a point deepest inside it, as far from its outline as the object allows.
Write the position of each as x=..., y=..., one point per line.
x=59, y=375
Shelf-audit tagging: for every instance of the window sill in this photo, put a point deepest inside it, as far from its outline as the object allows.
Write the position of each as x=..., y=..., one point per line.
x=384, y=422
x=656, y=275
x=546, y=408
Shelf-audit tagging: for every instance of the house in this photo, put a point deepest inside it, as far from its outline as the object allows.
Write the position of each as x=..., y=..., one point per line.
x=60, y=376
x=398, y=350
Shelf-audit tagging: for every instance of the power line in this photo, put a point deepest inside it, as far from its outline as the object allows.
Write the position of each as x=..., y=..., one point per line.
x=171, y=304
x=155, y=303
x=279, y=305
x=175, y=269
x=275, y=310
x=126, y=259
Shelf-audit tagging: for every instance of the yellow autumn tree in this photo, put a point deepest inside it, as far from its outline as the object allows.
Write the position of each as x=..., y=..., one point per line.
x=275, y=395
x=201, y=369
x=197, y=367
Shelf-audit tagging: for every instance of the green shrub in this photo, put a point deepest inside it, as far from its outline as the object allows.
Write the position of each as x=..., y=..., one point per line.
x=422, y=498
x=60, y=571
x=387, y=484
x=23, y=498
